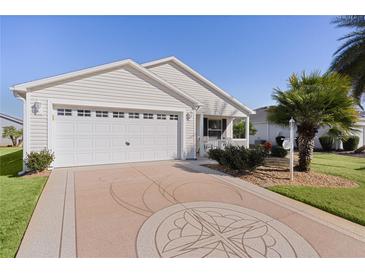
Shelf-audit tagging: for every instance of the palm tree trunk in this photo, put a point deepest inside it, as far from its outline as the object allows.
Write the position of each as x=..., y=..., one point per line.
x=13, y=140
x=306, y=146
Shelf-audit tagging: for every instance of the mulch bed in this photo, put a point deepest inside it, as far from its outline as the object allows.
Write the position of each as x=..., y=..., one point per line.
x=272, y=175
x=39, y=174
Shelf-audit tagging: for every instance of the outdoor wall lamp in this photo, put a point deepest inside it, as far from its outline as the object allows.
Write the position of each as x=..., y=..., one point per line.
x=36, y=107
x=188, y=116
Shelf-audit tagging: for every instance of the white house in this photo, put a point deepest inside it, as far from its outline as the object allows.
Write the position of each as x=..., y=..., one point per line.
x=128, y=112
x=6, y=121
x=269, y=131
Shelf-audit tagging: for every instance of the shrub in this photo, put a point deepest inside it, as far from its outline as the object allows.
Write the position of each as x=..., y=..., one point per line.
x=278, y=151
x=256, y=157
x=326, y=142
x=279, y=140
x=39, y=161
x=267, y=146
x=239, y=158
x=216, y=154
x=350, y=143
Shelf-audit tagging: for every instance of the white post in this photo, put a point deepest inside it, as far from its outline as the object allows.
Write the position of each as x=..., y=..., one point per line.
x=247, y=131
x=291, y=137
x=201, y=135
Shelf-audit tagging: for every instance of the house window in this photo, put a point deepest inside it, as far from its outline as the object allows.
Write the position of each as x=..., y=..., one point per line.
x=147, y=116
x=161, y=116
x=133, y=115
x=174, y=117
x=64, y=112
x=215, y=129
x=83, y=113
x=101, y=113
x=118, y=114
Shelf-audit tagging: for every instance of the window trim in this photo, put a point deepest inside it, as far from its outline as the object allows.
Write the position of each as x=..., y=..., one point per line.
x=215, y=130
x=133, y=115
x=118, y=114
x=101, y=113
x=161, y=116
x=84, y=112
x=174, y=117
x=148, y=116
x=64, y=112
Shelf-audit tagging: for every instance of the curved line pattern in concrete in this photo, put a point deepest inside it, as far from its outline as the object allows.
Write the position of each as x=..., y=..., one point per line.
x=210, y=229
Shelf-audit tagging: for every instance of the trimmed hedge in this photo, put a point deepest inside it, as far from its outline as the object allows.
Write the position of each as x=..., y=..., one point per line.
x=326, y=142
x=350, y=143
x=278, y=151
x=239, y=157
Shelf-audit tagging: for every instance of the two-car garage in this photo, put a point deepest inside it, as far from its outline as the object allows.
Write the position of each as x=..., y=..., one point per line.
x=91, y=136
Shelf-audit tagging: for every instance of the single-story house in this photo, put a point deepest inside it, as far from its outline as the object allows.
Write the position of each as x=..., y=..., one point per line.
x=269, y=131
x=128, y=112
x=6, y=121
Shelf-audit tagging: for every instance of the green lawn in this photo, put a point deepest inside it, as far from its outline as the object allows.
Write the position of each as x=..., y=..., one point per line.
x=348, y=203
x=18, y=197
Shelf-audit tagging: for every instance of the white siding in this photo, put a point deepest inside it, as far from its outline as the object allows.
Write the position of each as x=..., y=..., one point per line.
x=212, y=103
x=124, y=86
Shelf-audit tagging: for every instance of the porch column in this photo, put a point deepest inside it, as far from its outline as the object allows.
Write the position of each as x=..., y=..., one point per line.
x=247, y=131
x=201, y=135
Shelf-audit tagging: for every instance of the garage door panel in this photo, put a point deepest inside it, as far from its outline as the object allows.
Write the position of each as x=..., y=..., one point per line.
x=117, y=142
x=102, y=142
x=118, y=156
x=118, y=129
x=84, y=128
x=91, y=140
x=84, y=143
x=101, y=129
x=65, y=128
x=65, y=143
x=84, y=158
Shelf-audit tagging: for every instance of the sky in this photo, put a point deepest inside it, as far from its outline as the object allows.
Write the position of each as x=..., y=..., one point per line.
x=247, y=56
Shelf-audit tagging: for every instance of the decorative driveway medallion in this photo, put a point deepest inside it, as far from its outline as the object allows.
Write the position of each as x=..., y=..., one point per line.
x=208, y=229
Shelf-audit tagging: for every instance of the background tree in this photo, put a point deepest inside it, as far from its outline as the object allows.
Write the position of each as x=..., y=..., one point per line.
x=314, y=101
x=239, y=130
x=12, y=133
x=349, y=58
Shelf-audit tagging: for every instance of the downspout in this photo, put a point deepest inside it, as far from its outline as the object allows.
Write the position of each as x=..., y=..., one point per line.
x=25, y=133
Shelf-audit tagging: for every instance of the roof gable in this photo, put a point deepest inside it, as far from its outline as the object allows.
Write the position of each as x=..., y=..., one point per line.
x=84, y=73
x=177, y=64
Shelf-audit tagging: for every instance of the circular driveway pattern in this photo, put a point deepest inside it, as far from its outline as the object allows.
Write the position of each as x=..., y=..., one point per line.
x=209, y=229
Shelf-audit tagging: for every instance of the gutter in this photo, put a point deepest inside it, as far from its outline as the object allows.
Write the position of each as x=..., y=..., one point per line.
x=25, y=133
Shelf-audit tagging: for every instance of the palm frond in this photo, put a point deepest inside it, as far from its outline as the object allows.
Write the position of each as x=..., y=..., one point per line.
x=350, y=21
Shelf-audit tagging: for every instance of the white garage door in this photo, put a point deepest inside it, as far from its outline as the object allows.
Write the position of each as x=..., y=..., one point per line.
x=86, y=136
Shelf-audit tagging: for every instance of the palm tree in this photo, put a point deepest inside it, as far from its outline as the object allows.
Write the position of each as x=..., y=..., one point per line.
x=349, y=58
x=314, y=101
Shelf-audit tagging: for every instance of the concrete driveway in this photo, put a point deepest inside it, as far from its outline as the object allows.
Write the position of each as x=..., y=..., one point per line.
x=177, y=209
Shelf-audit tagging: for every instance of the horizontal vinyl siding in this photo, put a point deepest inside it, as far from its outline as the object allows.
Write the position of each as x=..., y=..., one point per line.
x=120, y=86
x=212, y=104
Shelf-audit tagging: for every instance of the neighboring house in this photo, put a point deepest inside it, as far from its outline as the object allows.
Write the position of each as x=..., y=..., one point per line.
x=6, y=121
x=269, y=131
x=127, y=112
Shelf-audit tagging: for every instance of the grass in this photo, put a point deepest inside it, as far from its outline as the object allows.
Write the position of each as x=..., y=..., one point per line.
x=18, y=197
x=348, y=203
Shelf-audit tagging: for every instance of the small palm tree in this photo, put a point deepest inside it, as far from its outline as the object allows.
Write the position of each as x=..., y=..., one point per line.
x=349, y=58
x=314, y=101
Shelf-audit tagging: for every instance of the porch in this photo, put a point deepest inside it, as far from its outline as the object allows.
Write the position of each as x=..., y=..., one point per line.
x=217, y=132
